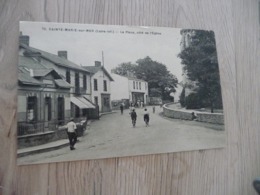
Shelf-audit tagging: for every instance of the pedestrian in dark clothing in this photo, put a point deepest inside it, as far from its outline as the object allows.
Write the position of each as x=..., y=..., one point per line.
x=72, y=135
x=122, y=108
x=146, y=117
x=133, y=117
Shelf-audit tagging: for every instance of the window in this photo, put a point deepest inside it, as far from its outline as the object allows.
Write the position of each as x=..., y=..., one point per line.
x=134, y=84
x=77, y=80
x=68, y=76
x=61, y=110
x=96, y=100
x=95, y=85
x=105, y=85
x=84, y=81
x=47, y=110
x=77, y=84
x=139, y=85
x=32, y=109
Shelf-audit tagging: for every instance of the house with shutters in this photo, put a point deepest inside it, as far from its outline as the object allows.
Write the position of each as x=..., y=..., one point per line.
x=101, y=86
x=50, y=87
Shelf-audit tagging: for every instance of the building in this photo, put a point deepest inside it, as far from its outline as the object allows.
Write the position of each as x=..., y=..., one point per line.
x=129, y=88
x=51, y=88
x=101, y=86
x=39, y=90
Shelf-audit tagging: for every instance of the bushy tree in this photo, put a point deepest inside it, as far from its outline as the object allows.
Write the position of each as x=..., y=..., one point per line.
x=160, y=81
x=157, y=76
x=200, y=64
x=125, y=68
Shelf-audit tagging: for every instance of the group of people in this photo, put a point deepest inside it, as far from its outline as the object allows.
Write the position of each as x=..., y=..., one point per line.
x=134, y=116
x=71, y=125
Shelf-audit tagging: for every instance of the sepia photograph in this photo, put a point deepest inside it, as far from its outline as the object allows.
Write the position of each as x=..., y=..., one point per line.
x=89, y=91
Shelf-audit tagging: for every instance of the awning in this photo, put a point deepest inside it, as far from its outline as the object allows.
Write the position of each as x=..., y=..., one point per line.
x=87, y=102
x=81, y=102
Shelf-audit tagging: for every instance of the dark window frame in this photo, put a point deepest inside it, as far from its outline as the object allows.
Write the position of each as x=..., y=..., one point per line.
x=95, y=85
x=68, y=76
x=85, y=81
x=32, y=105
x=105, y=85
x=48, y=101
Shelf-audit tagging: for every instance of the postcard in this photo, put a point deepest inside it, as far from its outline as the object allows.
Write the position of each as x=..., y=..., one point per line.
x=90, y=91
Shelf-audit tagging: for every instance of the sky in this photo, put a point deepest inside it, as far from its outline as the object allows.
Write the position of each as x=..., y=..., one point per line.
x=85, y=43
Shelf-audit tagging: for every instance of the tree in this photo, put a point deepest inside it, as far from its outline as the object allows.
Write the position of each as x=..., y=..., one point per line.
x=155, y=92
x=125, y=68
x=160, y=81
x=157, y=76
x=182, y=97
x=200, y=64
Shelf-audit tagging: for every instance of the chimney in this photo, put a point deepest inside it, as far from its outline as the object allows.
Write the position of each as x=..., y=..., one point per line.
x=97, y=64
x=63, y=54
x=24, y=39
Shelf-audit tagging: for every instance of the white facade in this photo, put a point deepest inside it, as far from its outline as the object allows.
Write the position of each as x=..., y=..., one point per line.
x=100, y=77
x=101, y=90
x=119, y=88
x=130, y=88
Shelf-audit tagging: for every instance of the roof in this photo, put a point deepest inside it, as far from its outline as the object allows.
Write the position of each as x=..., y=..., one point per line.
x=59, y=61
x=27, y=80
x=41, y=72
x=45, y=72
x=30, y=63
x=95, y=69
x=62, y=84
x=28, y=66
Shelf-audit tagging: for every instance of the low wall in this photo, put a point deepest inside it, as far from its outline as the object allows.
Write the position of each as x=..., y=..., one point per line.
x=178, y=114
x=216, y=118
x=35, y=139
x=43, y=138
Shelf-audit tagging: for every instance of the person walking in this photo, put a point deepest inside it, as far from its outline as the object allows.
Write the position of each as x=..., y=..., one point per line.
x=122, y=108
x=133, y=117
x=153, y=109
x=72, y=135
x=131, y=109
x=146, y=117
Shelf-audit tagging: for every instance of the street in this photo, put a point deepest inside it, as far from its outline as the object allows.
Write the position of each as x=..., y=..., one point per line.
x=114, y=136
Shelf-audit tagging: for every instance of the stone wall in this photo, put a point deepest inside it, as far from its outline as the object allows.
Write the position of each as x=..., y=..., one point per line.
x=216, y=118
x=178, y=114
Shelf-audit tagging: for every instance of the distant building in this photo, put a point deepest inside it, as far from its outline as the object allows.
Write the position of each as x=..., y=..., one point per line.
x=51, y=88
x=101, y=86
x=129, y=88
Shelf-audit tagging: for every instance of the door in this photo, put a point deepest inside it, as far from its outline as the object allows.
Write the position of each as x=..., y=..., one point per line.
x=105, y=103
